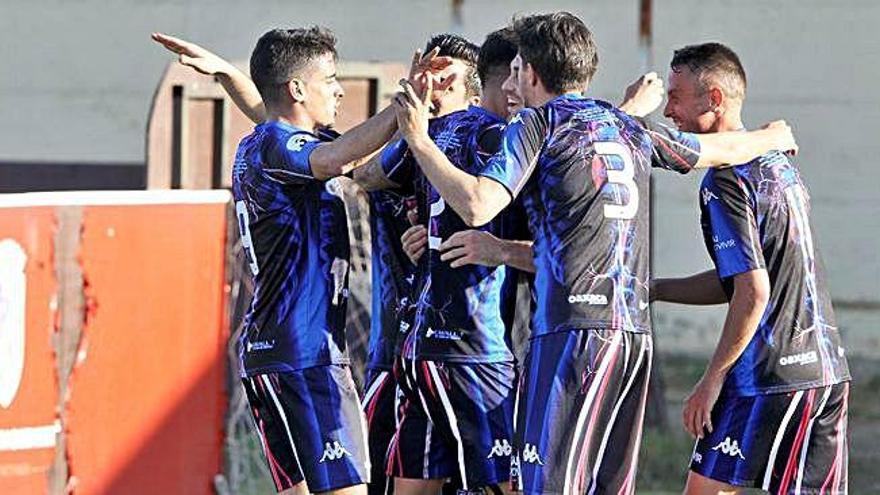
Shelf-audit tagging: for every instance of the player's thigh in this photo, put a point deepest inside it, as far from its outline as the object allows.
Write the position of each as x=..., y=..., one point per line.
x=472, y=407
x=327, y=426
x=409, y=486
x=698, y=484
x=580, y=409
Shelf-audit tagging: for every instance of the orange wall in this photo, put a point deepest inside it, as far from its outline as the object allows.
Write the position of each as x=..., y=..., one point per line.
x=147, y=395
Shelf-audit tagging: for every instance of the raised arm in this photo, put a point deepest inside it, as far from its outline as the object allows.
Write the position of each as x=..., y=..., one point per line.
x=236, y=83
x=643, y=96
x=354, y=148
x=700, y=289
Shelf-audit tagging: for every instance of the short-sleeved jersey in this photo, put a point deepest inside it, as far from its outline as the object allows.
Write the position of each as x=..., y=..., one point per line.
x=295, y=237
x=583, y=169
x=461, y=314
x=391, y=274
x=756, y=216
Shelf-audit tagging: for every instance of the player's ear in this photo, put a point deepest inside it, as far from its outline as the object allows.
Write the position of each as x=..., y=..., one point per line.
x=531, y=75
x=716, y=98
x=296, y=89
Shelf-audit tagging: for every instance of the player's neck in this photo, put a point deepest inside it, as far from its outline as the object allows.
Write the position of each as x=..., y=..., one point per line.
x=729, y=122
x=292, y=117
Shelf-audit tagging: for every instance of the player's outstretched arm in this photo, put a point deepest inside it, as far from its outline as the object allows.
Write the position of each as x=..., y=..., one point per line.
x=644, y=95
x=700, y=289
x=740, y=147
x=476, y=199
x=354, y=148
x=236, y=83
x=750, y=295
x=475, y=247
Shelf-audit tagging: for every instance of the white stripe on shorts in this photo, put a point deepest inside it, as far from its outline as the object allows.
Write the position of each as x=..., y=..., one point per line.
x=800, y=478
x=268, y=384
x=453, y=422
x=778, y=440
x=611, y=420
x=582, y=416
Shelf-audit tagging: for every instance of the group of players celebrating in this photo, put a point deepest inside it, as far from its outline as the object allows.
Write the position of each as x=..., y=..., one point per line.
x=491, y=162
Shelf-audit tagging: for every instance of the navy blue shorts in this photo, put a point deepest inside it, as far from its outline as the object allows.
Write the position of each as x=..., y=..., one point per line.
x=380, y=404
x=787, y=443
x=311, y=427
x=456, y=422
x=580, y=410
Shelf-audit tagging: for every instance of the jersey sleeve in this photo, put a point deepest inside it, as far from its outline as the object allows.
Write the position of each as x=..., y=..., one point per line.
x=519, y=150
x=672, y=149
x=398, y=163
x=289, y=160
x=730, y=207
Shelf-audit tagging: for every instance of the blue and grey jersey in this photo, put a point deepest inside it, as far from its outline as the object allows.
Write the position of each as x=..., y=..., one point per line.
x=294, y=233
x=461, y=314
x=757, y=216
x=392, y=275
x=583, y=167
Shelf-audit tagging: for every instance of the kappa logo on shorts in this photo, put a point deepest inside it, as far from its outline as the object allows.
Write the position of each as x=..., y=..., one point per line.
x=501, y=448
x=334, y=451
x=730, y=447
x=530, y=455
x=697, y=457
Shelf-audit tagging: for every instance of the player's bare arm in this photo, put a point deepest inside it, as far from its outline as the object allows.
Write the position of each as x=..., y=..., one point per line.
x=750, y=295
x=475, y=247
x=236, y=83
x=476, y=199
x=700, y=289
x=740, y=147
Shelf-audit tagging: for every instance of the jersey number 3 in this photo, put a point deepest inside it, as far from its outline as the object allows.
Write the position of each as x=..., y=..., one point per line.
x=244, y=228
x=624, y=177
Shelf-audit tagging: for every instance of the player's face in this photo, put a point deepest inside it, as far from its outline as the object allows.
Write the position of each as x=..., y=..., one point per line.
x=512, y=87
x=688, y=104
x=322, y=93
x=494, y=98
x=455, y=97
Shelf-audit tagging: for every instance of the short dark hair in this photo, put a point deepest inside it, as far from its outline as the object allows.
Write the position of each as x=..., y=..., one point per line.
x=496, y=52
x=715, y=63
x=560, y=48
x=459, y=48
x=282, y=53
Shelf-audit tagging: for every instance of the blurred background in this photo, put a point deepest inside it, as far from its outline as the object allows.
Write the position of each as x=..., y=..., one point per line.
x=89, y=102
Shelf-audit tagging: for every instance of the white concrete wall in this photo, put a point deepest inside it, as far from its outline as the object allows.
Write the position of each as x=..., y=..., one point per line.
x=77, y=77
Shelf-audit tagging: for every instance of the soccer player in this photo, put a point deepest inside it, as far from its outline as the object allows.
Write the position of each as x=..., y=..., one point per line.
x=582, y=167
x=293, y=227
x=456, y=367
x=770, y=411
x=393, y=274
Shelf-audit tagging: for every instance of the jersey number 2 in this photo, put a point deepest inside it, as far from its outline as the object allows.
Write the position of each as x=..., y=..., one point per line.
x=623, y=177
x=437, y=208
